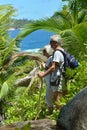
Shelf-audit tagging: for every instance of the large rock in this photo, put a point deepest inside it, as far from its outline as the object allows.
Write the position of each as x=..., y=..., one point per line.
x=73, y=116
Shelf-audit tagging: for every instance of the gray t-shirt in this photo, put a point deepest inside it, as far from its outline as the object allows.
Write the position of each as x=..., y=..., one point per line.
x=49, y=61
x=57, y=57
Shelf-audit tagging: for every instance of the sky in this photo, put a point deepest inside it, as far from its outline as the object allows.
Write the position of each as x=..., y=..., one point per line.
x=34, y=9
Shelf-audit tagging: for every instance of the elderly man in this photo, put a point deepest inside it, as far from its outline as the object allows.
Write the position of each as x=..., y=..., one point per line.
x=54, y=70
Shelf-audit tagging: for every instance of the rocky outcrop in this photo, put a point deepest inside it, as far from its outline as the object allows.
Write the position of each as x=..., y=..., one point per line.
x=73, y=116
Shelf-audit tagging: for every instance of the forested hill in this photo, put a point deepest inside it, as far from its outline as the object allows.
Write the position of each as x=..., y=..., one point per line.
x=19, y=23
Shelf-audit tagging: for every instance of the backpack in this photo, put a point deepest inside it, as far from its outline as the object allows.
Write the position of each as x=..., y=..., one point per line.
x=69, y=60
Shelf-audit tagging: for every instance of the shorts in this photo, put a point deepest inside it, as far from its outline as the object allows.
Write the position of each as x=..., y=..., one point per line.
x=61, y=87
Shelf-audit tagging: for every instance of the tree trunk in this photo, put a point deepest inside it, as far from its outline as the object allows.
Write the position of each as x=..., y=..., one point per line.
x=73, y=116
x=28, y=79
x=42, y=124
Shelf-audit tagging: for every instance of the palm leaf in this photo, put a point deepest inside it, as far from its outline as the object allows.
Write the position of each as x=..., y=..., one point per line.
x=49, y=24
x=4, y=90
x=9, y=49
x=75, y=39
x=66, y=17
x=6, y=44
x=82, y=16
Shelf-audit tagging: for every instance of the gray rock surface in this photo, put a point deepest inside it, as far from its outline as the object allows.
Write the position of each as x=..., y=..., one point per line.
x=73, y=116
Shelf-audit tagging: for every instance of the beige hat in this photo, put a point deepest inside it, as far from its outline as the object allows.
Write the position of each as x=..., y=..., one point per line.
x=56, y=38
x=48, y=49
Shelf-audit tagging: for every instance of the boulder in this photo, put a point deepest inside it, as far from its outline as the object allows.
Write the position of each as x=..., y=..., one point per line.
x=73, y=116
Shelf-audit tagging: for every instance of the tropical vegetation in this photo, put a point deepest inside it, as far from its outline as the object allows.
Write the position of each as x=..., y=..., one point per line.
x=19, y=23
x=21, y=91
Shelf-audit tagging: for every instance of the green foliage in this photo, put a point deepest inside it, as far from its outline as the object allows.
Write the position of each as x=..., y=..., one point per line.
x=24, y=105
x=7, y=45
x=19, y=23
x=75, y=40
x=81, y=3
x=76, y=80
x=25, y=127
x=4, y=90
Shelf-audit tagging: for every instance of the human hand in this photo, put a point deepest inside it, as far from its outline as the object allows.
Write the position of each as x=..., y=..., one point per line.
x=40, y=74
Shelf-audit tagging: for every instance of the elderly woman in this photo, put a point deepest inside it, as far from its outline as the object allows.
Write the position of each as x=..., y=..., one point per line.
x=47, y=51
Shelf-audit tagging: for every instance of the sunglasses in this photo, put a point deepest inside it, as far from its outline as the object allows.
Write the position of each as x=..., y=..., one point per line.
x=53, y=42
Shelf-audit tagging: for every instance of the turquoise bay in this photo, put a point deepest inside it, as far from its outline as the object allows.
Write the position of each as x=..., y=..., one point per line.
x=34, y=41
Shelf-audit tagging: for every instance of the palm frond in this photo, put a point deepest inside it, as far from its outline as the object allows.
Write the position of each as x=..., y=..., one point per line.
x=81, y=31
x=7, y=45
x=9, y=49
x=49, y=24
x=65, y=16
x=4, y=90
x=75, y=40
x=82, y=16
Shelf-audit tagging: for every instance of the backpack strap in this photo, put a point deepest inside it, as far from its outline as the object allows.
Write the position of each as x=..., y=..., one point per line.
x=64, y=55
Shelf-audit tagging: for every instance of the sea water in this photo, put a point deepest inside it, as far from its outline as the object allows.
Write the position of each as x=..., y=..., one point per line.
x=34, y=41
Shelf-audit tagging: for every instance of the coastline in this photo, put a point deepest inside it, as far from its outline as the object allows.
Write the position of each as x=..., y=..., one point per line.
x=34, y=42
x=11, y=29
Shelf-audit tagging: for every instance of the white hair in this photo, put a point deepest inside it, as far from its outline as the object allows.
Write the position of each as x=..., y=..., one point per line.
x=48, y=49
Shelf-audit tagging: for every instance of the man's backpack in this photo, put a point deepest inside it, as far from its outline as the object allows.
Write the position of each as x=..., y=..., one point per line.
x=69, y=60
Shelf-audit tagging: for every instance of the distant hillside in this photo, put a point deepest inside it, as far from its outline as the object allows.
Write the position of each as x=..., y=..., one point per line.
x=19, y=23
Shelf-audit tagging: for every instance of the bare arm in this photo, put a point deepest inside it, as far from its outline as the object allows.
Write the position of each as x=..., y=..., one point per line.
x=49, y=71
